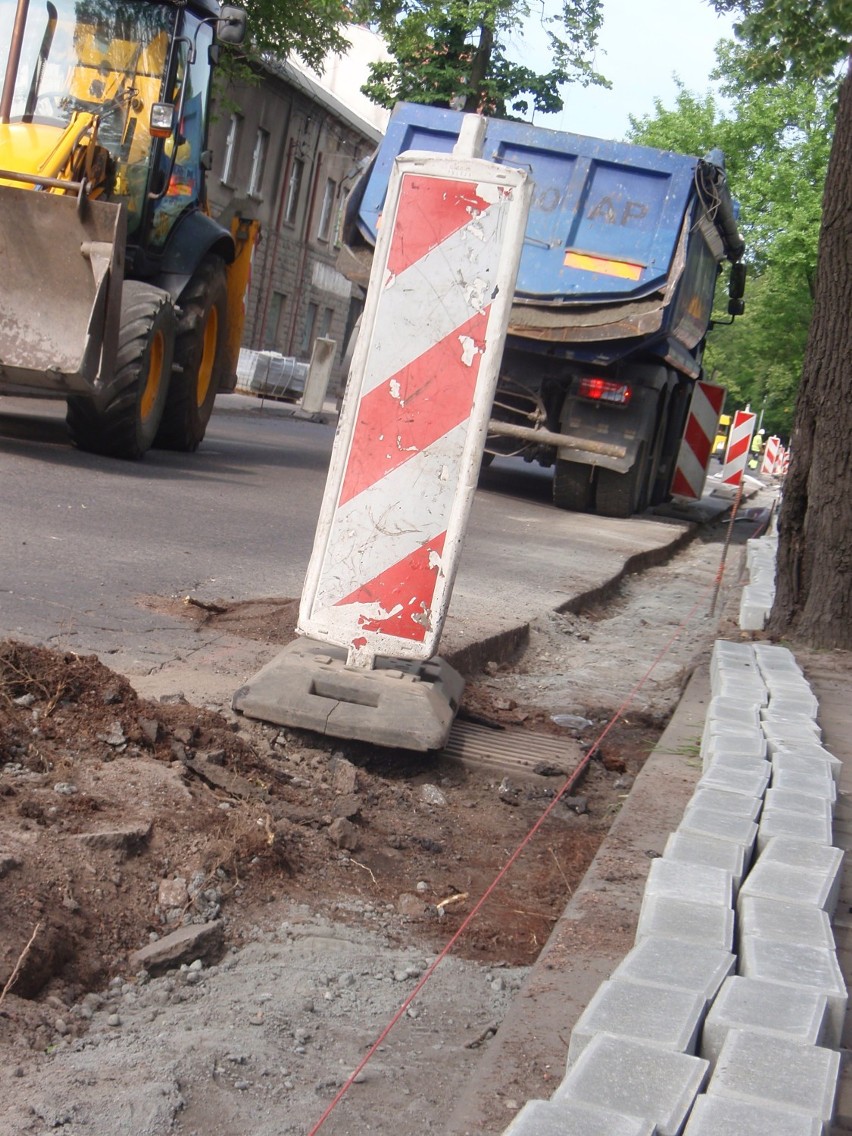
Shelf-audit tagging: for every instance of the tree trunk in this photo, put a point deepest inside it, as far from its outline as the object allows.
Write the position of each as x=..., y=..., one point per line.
x=813, y=598
x=479, y=68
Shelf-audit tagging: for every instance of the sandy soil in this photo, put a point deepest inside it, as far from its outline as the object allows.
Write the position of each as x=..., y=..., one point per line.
x=329, y=878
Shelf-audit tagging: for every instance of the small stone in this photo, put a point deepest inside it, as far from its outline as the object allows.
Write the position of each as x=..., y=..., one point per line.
x=65, y=788
x=61, y=1026
x=412, y=906
x=344, y=834
x=114, y=1020
x=150, y=729
x=508, y=793
x=173, y=893
x=432, y=795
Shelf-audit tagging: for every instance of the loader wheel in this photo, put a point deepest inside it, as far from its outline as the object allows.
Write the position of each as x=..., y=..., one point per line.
x=199, y=359
x=127, y=425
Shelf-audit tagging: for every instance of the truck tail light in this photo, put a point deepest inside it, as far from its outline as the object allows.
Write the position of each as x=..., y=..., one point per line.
x=605, y=390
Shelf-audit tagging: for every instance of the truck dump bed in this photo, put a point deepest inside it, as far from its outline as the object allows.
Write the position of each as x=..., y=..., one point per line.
x=605, y=253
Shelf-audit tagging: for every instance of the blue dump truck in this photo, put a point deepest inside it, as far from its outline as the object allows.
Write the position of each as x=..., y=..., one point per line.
x=622, y=251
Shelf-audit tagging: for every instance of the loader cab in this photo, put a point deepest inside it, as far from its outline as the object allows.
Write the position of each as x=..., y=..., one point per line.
x=82, y=80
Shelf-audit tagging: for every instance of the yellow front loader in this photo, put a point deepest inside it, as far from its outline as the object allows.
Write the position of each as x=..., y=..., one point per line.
x=118, y=291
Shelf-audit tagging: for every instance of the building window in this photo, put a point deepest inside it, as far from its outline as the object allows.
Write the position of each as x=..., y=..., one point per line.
x=272, y=334
x=325, y=322
x=327, y=211
x=231, y=143
x=294, y=188
x=310, y=328
x=258, y=162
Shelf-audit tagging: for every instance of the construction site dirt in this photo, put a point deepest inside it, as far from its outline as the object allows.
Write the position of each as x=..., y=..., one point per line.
x=312, y=883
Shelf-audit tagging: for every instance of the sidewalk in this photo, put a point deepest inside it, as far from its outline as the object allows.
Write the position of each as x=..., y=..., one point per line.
x=588, y=988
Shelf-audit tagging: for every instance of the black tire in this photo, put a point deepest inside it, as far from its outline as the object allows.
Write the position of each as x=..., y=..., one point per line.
x=573, y=485
x=623, y=494
x=199, y=359
x=127, y=425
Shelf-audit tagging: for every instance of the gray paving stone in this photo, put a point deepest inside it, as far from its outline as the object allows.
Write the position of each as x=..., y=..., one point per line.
x=795, y=762
x=636, y=1079
x=561, y=1118
x=667, y=1017
x=794, y=964
x=707, y=923
x=734, y=709
x=802, y=854
x=772, y=1070
x=748, y=748
x=674, y=964
x=698, y=882
x=735, y=759
x=695, y=848
x=710, y=822
x=815, y=783
x=771, y=879
x=763, y=1007
x=808, y=752
x=798, y=826
x=785, y=922
x=751, y=782
x=794, y=801
x=707, y=796
x=718, y=1116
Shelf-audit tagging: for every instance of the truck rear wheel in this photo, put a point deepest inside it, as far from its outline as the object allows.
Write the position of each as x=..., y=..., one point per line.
x=623, y=494
x=198, y=360
x=573, y=486
x=127, y=425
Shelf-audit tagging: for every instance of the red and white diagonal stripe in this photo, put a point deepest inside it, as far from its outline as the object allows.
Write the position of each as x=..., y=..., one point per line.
x=697, y=445
x=384, y=565
x=739, y=445
x=770, y=455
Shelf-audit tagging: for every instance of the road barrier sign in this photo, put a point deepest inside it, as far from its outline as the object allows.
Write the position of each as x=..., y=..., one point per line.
x=739, y=445
x=412, y=428
x=770, y=455
x=708, y=399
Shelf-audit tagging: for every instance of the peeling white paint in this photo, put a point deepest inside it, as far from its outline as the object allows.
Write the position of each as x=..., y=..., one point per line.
x=476, y=293
x=444, y=473
x=394, y=388
x=470, y=349
x=436, y=561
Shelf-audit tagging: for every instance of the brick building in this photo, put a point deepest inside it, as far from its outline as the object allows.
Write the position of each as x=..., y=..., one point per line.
x=286, y=151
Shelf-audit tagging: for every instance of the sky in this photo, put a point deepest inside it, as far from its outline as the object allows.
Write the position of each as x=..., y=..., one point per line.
x=641, y=45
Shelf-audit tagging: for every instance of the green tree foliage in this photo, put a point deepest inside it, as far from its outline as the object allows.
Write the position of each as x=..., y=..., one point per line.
x=776, y=140
x=311, y=31
x=780, y=42
x=458, y=53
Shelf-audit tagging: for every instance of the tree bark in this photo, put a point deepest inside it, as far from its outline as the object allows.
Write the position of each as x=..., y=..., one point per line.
x=813, y=597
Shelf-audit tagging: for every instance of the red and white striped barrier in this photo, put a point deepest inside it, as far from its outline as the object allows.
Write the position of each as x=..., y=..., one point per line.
x=770, y=455
x=739, y=446
x=413, y=422
x=784, y=464
x=690, y=473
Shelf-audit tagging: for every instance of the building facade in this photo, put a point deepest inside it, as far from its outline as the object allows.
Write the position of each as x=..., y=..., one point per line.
x=285, y=152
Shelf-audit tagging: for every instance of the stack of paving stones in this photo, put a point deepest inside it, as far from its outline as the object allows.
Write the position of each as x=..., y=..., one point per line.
x=759, y=592
x=725, y=1018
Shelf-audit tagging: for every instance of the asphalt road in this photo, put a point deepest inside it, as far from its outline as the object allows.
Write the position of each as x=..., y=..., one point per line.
x=85, y=540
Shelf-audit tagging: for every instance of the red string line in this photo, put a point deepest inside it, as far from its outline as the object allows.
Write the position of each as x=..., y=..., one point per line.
x=568, y=784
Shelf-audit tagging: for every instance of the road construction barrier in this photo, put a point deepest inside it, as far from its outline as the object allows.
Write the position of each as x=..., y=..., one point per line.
x=739, y=444
x=770, y=455
x=413, y=422
x=708, y=399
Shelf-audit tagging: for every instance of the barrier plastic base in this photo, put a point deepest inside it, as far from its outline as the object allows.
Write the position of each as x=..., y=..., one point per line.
x=404, y=703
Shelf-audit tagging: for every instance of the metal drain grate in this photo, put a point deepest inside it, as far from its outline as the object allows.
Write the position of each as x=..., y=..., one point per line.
x=511, y=750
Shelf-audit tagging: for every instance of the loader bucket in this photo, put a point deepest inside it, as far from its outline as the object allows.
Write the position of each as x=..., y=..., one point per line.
x=61, y=271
